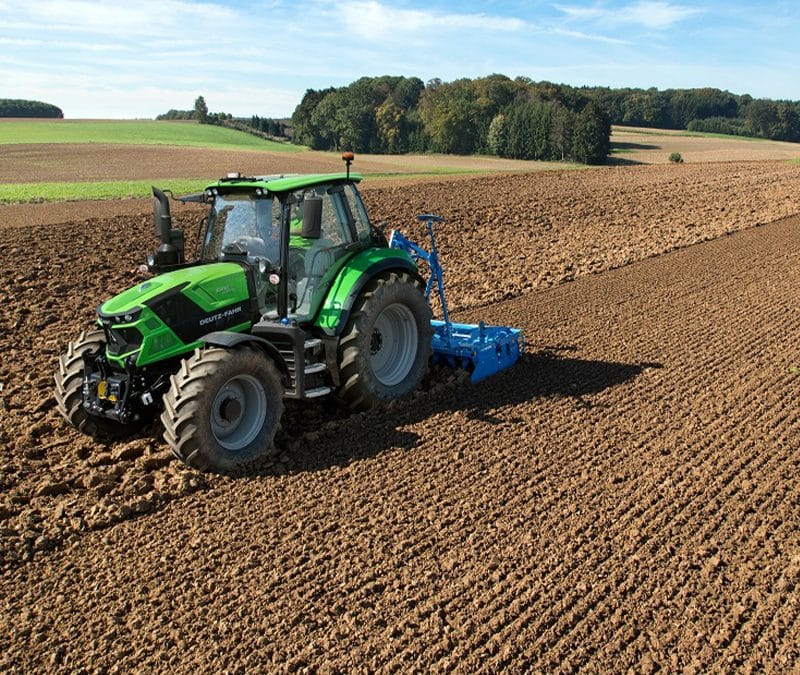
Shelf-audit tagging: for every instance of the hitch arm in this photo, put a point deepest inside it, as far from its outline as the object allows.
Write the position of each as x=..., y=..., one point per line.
x=397, y=240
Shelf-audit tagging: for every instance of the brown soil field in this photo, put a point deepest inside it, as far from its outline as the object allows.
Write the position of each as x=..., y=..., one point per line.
x=625, y=497
x=70, y=162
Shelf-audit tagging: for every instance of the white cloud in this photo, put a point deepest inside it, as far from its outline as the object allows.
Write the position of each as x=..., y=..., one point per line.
x=374, y=21
x=136, y=18
x=583, y=13
x=651, y=14
x=101, y=47
x=593, y=38
x=20, y=42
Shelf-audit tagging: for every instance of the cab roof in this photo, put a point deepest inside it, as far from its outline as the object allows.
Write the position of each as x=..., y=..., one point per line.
x=284, y=183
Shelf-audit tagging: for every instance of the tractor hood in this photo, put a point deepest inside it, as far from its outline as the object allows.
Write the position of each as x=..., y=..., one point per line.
x=210, y=286
x=168, y=314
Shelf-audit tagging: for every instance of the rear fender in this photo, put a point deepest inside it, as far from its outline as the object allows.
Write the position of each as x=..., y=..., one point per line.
x=352, y=279
x=229, y=340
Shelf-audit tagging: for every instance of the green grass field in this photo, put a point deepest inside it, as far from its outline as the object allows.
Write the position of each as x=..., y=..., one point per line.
x=135, y=132
x=18, y=193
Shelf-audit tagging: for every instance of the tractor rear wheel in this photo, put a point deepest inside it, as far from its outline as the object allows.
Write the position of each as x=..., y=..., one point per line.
x=386, y=345
x=69, y=396
x=223, y=408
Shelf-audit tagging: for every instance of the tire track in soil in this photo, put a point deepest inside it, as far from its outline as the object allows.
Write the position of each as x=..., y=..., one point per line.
x=526, y=521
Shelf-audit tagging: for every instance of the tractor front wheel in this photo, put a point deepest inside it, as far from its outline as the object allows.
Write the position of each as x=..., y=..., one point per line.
x=223, y=408
x=69, y=392
x=386, y=345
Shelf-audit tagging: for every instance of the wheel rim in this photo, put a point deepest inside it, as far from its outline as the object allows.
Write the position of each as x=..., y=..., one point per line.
x=393, y=344
x=239, y=411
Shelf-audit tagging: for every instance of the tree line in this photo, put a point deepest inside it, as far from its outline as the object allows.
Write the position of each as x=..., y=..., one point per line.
x=173, y=114
x=490, y=115
x=15, y=107
x=264, y=127
x=520, y=118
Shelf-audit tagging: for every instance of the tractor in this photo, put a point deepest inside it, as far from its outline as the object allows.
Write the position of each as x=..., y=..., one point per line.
x=293, y=294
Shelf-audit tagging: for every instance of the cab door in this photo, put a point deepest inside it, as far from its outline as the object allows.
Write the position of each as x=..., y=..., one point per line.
x=314, y=262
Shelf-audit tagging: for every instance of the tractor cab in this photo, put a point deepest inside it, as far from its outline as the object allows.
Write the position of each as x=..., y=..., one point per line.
x=294, y=234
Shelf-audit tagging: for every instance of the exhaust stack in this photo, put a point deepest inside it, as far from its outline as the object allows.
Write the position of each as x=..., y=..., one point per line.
x=170, y=252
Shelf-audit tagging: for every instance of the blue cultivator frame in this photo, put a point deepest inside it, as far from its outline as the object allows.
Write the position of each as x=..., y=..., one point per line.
x=482, y=350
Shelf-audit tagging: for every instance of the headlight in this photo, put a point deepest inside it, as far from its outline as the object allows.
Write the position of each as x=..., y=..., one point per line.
x=123, y=340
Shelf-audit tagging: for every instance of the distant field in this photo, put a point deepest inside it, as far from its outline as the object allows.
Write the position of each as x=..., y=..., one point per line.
x=134, y=132
x=35, y=172
x=633, y=145
x=59, y=160
x=20, y=193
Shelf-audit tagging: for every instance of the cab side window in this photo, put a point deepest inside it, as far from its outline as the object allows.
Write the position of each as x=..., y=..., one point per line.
x=358, y=213
x=335, y=226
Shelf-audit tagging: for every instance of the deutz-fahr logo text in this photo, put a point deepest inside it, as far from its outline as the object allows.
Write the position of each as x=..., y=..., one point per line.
x=221, y=315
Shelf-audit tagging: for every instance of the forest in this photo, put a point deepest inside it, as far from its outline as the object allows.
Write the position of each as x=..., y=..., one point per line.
x=491, y=115
x=15, y=107
x=706, y=109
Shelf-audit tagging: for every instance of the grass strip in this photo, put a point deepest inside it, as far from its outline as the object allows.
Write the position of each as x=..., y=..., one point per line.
x=447, y=171
x=677, y=133
x=15, y=193
x=135, y=132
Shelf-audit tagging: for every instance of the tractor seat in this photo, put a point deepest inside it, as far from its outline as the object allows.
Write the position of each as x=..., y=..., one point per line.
x=318, y=257
x=255, y=246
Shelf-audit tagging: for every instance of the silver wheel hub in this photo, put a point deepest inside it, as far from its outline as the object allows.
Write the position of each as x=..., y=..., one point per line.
x=393, y=344
x=238, y=412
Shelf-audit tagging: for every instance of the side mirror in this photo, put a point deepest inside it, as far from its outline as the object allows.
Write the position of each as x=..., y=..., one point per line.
x=197, y=198
x=312, y=218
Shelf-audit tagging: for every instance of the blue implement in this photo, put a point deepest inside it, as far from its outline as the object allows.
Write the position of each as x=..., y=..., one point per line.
x=481, y=350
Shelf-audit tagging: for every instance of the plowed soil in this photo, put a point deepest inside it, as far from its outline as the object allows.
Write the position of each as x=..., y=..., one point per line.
x=625, y=497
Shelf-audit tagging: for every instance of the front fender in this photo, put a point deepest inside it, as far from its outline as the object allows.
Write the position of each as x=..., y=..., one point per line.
x=230, y=340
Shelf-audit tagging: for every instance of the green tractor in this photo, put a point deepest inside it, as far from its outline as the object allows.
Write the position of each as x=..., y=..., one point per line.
x=293, y=294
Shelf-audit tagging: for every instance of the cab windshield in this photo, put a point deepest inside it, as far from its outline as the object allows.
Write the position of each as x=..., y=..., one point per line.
x=250, y=221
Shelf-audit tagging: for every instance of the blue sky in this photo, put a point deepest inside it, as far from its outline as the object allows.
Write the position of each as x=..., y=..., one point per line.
x=142, y=57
